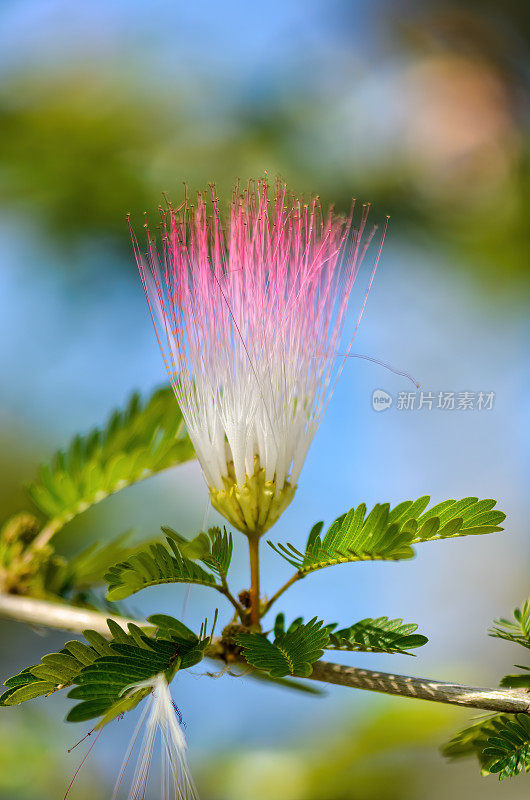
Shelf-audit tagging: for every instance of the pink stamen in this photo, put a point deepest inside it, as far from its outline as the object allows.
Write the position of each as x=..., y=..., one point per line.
x=249, y=318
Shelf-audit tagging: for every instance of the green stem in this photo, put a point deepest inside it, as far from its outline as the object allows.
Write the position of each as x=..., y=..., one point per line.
x=223, y=589
x=282, y=589
x=42, y=539
x=253, y=549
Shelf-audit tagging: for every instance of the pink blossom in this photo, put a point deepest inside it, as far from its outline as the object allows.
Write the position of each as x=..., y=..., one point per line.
x=249, y=317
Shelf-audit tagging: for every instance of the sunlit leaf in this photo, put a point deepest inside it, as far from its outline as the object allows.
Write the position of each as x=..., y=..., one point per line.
x=137, y=442
x=291, y=653
x=388, y=534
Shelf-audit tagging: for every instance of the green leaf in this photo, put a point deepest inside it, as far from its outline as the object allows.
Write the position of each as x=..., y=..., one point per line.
x=56, y=670
x=472, y=739
x=516, y=630
x=102, y=670
x=153, y=566
x=291, y=653
x=382, y=635
x=213, y=548
x=28, y=692
x=77, y=579
x=388, y=534
x=137, y=442
x=501, y=743
x=87, y=569
x=219, y=555
x=279, y=625
x=286, y=683
x=508, y=751
x=174, y=627
x=467, y=517
x=521, y=681
x=106, y=687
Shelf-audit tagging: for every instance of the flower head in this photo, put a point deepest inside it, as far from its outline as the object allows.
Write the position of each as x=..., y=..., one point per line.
x=249, y=317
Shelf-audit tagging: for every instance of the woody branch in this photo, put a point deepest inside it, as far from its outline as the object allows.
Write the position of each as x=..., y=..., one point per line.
x=64, y=617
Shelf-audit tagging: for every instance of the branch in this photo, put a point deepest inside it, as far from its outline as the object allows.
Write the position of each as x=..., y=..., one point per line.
x=512, y=701
x=57, y=615
x=281, y=590
x=224, y=590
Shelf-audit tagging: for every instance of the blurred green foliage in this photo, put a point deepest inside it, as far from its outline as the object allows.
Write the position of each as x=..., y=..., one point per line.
x=33, y=760
x=388, y=754
x=75, y=152
x=83, y=147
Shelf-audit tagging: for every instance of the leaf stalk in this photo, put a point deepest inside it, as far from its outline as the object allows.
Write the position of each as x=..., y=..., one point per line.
x=296, y=577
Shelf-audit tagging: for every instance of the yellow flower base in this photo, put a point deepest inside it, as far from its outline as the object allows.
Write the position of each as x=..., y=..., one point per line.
x=254, y=507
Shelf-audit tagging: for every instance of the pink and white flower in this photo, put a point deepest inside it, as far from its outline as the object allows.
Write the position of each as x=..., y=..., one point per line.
x=249, y=318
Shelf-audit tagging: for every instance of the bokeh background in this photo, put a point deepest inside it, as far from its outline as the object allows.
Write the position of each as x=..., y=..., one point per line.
x=420, y=109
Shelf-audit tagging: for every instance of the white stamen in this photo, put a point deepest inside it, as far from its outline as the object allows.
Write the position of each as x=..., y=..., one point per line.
x=159, y=715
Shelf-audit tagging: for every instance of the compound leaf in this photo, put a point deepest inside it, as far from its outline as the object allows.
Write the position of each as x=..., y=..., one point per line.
x=214, y=548
x=382, y=635
x=137, y=442
x=501, y=743
x=389, y=534
x=467, y=517
x=100, y=671
x=517, y=681
x=155, y=565
x=293, y=652
x=516, y=630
